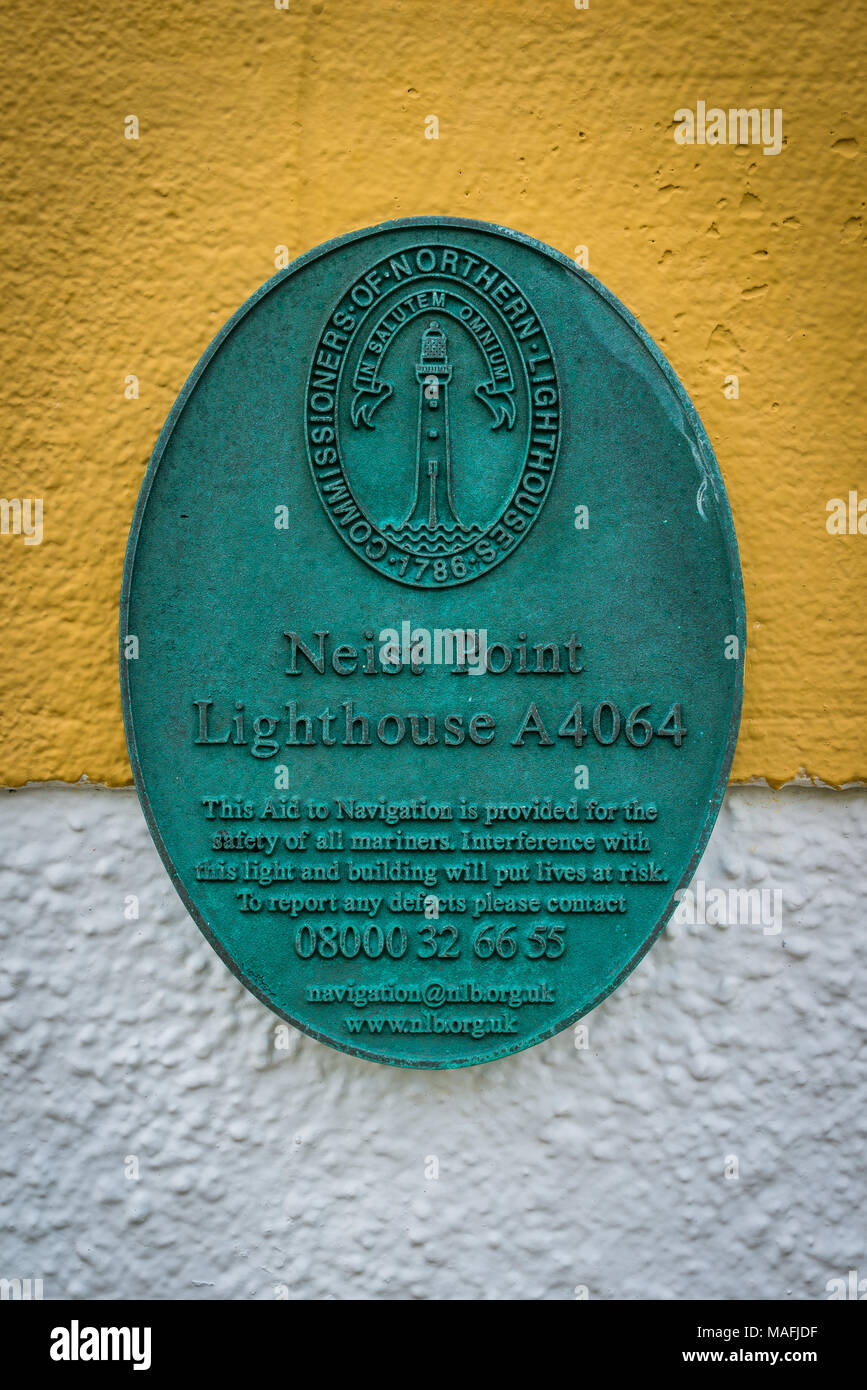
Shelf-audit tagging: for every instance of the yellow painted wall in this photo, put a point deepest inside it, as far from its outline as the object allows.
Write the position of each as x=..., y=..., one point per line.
x=261, y=127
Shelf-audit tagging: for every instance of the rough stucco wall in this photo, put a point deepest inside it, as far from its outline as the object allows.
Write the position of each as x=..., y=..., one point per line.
x=304, y=1171
x=262, y=128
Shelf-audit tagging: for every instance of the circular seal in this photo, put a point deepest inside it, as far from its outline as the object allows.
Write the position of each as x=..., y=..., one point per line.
x=432, y=642
x=432, y=415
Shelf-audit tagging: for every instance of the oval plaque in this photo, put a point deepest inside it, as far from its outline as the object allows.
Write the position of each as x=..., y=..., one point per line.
x=432, y=639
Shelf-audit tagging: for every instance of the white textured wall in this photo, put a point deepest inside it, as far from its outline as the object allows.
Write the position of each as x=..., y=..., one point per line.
x=305, y=1168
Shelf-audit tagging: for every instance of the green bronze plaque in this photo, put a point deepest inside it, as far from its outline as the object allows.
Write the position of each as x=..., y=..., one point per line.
x=432, y=639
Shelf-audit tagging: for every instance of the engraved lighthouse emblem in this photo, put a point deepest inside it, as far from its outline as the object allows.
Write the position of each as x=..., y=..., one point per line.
x=432, y=526
x=433, y=417
x=433, y=508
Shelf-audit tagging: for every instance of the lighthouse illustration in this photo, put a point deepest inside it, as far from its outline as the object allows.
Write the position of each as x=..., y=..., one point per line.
x=420, y=428
x=433, y=507
x=431, y=526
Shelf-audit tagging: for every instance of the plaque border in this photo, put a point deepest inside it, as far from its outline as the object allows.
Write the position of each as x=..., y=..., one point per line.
x=729, y=537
